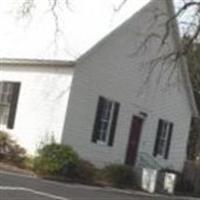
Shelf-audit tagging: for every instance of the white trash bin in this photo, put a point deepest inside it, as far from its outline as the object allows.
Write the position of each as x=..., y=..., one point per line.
x=149, y=177
x=169, y=182
x=153, y=180
x=165, y=182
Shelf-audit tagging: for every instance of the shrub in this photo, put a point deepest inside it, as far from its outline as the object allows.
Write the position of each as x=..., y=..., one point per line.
x=55, y=159
x=119, y=175
x=28, y=163
x=85, y=171
x=10, y=151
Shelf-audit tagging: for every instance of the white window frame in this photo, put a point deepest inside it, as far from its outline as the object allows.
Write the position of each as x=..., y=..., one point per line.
x=104, y=133
x=162, y=145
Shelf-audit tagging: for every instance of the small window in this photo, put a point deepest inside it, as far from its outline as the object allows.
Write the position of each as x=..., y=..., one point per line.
x=9, y=92
x=163, y=138
x=106, y=121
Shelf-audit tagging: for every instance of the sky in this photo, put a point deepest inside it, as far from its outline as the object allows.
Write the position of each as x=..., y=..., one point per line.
x=82, y=25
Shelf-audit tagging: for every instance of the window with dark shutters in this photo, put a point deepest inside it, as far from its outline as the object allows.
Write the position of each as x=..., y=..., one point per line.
x=169, y=140
x=163, y=138
x=113, y=124
x=96, y=128
x=105, y=121
x=9, y=93
x=159, y=130
x=13, y=105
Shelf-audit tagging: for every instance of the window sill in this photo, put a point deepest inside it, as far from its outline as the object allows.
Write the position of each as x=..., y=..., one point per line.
x=99, y=142
x=161, y=158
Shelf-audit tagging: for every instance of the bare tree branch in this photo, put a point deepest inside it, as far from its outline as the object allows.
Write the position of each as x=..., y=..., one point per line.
x=121, y=5
x=53, y=6
x=26, y=8
x=192, y=27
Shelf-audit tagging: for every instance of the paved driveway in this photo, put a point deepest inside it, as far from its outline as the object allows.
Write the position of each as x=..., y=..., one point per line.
x=17, y=187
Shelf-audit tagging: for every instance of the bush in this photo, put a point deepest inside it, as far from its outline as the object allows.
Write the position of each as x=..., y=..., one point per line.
x=28, y=163
x=85, y=171
x=119, y=175
x=10, y=151
x=55, y=159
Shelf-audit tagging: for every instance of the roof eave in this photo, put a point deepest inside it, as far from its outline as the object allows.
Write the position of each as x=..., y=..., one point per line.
x=36, y=62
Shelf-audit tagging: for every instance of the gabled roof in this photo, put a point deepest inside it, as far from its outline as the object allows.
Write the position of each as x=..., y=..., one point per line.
x=36, y=62
x=177, y=42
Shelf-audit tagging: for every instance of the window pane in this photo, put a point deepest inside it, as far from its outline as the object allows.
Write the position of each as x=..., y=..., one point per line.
x=103, y=136
x=163, y=136
x=4, y=110
x=103, y=129
x=106, y=110
x=104, y=120
x=161, y=147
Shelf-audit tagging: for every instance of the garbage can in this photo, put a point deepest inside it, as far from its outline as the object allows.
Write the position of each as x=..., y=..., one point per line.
x=165, y=182
x=149, y=179
x=160, y=181
x=169, y=182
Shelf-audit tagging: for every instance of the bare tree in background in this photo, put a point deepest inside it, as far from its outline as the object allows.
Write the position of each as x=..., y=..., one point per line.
x=26, y=9
x=187, y=14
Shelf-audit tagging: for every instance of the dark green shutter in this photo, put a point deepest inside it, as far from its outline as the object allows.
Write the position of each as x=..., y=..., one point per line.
x=159, y=131
x=96, y=128
x=169, y=140
x=113, y=124
x=13, y=105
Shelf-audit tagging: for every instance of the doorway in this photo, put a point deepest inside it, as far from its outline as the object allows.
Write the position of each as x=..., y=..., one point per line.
x=134, y=140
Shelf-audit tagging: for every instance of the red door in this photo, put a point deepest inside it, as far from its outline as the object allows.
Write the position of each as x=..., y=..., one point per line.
x=134, y=139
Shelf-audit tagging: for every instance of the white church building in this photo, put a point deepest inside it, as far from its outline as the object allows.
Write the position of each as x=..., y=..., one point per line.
x=114, y=114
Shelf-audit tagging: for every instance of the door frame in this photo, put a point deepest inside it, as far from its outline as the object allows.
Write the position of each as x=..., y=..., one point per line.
x=141, y=117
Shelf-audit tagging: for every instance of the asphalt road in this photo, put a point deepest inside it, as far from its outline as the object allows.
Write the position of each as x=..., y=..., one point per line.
x=18, y=187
